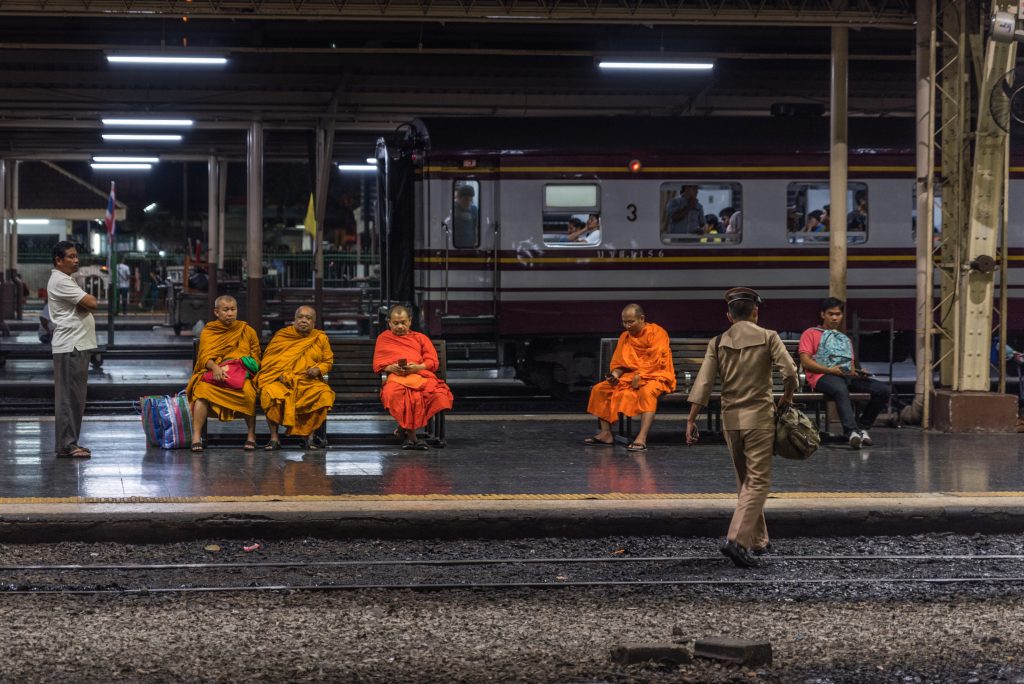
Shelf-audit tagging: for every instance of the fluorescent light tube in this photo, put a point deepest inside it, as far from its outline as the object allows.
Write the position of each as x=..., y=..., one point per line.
x=155, y=123
x=359, y=168
x=127, y=160
x=153, y=137
x=32, y=222
x=654, y=66
x=371, y=160
x=165, y=59
x=122, y=167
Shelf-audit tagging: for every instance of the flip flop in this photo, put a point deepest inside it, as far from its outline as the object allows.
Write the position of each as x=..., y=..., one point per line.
x=74, y=452
x=593, y=441
x=420, y=445
x=249, y=445
x=197, y=447
x=633, y=446
x=79, y=446
x=273, y=445
x=408, y=444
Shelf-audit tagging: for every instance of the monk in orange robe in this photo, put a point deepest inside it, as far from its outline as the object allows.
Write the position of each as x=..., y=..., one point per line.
x=223, y=339
x=291, y=380
x=641, y=371
x=412, y=393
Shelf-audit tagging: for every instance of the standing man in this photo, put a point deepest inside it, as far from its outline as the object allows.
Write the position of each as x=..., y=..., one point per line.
x=684, y=213
x=124, y=281
x=74, y=336
x=826, y=354
x=743, y=357
x=641, y=370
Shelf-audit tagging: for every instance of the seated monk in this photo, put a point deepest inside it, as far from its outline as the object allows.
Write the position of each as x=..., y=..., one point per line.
x=223, y=339
x=291, y=380
x=411, y=393
x=641, y=371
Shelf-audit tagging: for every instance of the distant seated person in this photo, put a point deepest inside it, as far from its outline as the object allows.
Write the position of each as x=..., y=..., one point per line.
x=45, y=324
x=220, y=382
x=814, y=222
x=732, y=220
x=589, y=232
x=857, y=220
x=412, y=393
x=291, y=382
x=684, y=214
x=826, y=355
x=641, y=370
x=711, y=229
x=465, y=217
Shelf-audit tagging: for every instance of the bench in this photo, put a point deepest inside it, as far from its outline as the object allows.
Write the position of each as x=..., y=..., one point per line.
x=687, y=357
x=342, y=305
x=354, y=382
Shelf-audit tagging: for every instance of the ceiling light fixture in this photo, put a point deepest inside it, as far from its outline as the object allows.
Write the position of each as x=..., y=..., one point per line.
x=155, y=123
x=152, y=137
x=358, y=168
x=167, y=59
x=122, y=167
x=127, y=160
x=371, y=160
x=32, y=222
x=659, y=66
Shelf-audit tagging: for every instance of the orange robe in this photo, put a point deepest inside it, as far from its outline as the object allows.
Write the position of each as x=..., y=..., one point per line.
x=298, y=402
x=411, y=399
x=220, y=342
x=647, y=355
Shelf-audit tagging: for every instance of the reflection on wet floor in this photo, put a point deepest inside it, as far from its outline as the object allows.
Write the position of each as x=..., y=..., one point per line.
x=500, y=456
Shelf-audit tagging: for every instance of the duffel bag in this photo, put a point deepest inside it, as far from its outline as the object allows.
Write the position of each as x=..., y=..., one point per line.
x=167, y=420
x=796, y=435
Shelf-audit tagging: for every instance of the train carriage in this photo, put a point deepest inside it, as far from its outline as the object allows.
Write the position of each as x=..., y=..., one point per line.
x=532, y=234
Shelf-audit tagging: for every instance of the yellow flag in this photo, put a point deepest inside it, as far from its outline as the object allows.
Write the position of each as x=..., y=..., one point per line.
x=310, y=220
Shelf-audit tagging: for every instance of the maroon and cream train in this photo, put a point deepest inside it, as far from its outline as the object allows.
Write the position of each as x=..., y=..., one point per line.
x=533, y=233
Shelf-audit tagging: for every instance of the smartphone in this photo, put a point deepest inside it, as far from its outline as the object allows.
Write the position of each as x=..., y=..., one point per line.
x=403, y=362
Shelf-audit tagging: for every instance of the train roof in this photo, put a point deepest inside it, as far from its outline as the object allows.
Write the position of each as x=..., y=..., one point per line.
x=655, y=135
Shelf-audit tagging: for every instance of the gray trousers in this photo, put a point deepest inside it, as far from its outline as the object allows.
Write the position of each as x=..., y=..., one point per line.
x=70, y=378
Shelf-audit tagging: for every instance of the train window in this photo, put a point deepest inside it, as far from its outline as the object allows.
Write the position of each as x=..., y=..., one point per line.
x=808, y=218
x=465, y=214
x=936, y=213
x=701, y=213
x=572, y=215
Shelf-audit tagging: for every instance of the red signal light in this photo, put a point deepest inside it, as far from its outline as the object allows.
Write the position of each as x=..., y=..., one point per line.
x=635, y=165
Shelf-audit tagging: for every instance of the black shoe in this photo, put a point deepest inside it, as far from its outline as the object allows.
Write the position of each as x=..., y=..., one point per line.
x=764, y=550
x=739, y=555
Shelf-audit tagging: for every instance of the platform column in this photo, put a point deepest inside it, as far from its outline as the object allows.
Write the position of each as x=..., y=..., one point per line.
x=838, y=165
x=254, y=227
x=222, y=189
x=4, y=198
x=12, y=229
x=213, y=227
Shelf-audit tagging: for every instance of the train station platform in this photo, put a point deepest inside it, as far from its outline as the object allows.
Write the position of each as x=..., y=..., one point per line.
x=502, y=475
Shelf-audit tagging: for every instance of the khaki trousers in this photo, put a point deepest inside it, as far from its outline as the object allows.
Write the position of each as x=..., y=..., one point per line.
x=70, y=377
x=751, y=452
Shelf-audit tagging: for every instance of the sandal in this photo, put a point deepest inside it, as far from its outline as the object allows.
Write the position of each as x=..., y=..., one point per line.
x=74, y=452
x=249, y=445
x=197, y=447
x=273, y=445
x=79, y=446
x=420, y=445
x=408, y=444
x=594, y=441
x=636, y=446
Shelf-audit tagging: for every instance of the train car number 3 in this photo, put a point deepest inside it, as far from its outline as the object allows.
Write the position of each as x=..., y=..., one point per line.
x=631, y=212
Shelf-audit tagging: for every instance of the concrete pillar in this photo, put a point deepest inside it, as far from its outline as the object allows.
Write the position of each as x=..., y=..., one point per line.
x=222, y=190
x=921, y=408
x=4, y=198
x=212, y=226
x=12, y=244
x=324, y=153
x=838, y=166
x=254, y=227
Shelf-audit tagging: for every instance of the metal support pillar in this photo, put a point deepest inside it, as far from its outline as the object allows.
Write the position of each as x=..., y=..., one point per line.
x=12, y=243
x=5, y=195
x=222, y=190
x=212, y=227
x=838, y=165
x=324, y=153
x=925, y=172
x=254, y=227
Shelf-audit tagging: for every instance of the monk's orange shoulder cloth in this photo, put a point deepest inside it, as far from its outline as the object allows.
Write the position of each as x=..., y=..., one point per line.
x=219, y=341
x=649, y=354
x=291, y=352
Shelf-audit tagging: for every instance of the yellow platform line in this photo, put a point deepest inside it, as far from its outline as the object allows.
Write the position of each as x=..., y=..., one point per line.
x=265, y=498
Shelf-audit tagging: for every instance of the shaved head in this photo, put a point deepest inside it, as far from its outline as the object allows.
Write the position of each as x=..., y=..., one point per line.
x=400, y=309
x=222, y=300
x=305, y=309
x=633, y=310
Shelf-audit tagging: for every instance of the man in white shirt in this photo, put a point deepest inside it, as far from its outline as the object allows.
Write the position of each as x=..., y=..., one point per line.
x=74, y=335
x=124, y=281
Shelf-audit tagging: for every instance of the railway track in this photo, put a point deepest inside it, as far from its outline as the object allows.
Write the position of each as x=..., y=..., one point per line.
x=518, y=573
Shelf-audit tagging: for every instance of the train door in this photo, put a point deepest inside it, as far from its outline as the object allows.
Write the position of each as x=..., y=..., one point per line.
x=471, y=252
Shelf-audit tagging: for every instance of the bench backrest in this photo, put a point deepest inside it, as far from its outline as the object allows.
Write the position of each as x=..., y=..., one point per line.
x=687, y=357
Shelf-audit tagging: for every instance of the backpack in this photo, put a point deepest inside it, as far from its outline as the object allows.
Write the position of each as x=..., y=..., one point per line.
x=796, y=436
x=166, y=420
x=834, y=349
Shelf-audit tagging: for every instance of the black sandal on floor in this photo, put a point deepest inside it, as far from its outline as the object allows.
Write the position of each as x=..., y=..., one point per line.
x=197, y=447
x=249, y=445
x=273, y=445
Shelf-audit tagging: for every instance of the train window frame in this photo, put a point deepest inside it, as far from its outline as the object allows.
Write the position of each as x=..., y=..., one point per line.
x=457, y=185
x=582, y=219
x=798, y=217
x=936, y=213
x=670, y=190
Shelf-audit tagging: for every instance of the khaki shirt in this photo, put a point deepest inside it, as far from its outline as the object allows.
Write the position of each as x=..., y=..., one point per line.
x=744, y=361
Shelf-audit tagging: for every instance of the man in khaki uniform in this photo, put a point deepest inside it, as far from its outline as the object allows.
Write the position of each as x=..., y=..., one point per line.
x=743, y=357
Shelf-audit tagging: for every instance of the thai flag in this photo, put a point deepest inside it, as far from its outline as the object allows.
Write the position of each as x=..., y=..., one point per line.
x=109, y=218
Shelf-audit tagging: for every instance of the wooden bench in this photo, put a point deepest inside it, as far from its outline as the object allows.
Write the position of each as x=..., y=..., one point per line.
x=354, y=383
x=687, y=357
x=342, y=305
